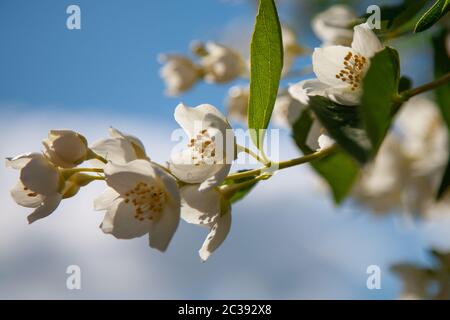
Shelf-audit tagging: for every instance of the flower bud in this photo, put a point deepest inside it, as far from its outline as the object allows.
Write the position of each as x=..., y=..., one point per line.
x=179, y=73
x=66, y=148
x=222, y=64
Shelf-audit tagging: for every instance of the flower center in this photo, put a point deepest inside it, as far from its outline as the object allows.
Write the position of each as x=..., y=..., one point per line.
x=148, y=201
x=203, y=149
x=354, y=66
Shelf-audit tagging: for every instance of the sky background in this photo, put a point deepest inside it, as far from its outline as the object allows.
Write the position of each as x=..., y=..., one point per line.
x=287, y=241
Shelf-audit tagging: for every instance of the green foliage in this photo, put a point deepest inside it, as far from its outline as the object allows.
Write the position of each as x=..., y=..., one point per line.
x=241, y=193
x=344, y=125
x=433, y=15
x=380, y=97
x=441, y=67
x=338, y=169
x=266, y=62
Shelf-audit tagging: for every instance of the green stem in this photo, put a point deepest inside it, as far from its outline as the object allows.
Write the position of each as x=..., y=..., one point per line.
x=93, y=155
x=253, y=154
x=426, y=87
x=284, y=164
x=67, y=173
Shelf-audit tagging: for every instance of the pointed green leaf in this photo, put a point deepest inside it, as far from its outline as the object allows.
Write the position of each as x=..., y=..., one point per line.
x=433, y=15
x=380, y=95
x=441, y=67
x=266, y=62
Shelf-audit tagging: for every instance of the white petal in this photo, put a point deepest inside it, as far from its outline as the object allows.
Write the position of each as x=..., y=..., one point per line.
x=106, y=199
x=217, y=178
x=325, y=142
x=344, y=96
x=314, y=133
x=182, y=166
x=331, y=25
x=26, y=198
x=18, y=162
x=123, y=178
x=307, y=88
x=328, y=62
x=65, y=148
x=163, y=230
x=219, y=231
x=49, y=205
x=118, y=151
x=135, y=142
x=40, y=176
x=365, y=41
x=193, y=120
x=199, y=207
x=121, y=223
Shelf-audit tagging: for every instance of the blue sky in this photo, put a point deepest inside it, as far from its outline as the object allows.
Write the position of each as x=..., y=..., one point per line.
x=295, y=246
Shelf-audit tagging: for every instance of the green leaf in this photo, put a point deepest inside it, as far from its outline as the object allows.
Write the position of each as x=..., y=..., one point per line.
x=343, y=124
x=266, y=62
x=240, y=194
x=380, y=92
x=433, y=15
x=441, y=67
x=338, y=169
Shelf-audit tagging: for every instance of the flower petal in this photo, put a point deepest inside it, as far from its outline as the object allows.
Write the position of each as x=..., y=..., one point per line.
x=217, y=234
x=307, y=88
x=163, y=230
x=49, y=205
x=365, y=41
x=194, y=120
x=106, y=199
x=199, y=207
x=20, y=161
x=344, y=95
x=137, y=144
x=182, y=166
x=40, y=176
x=119, y=151
x=121, y=223
x=328, y=62
x=123, y=178
x=26, y=198
x=217, y=178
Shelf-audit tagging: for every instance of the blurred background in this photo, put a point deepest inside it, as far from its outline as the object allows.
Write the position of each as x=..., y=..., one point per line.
x=288, y=240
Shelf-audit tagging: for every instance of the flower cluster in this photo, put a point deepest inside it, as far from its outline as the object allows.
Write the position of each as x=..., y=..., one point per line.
x=142, y=197
x=217, y=63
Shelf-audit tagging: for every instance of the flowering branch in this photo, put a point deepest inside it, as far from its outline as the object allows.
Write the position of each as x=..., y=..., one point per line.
x=284, y=164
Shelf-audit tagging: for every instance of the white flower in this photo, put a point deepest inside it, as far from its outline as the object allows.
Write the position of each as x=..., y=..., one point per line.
x=332, y=25
x=237, y=103
x=119, y=149
x=179, y=73
x=325, y=142
x=286, y=110
x=222, y=64
x=39, y=184
x=207, y=209
x=141, y=199
x=211, y=148
x=410, y=163
x=340, y=70
x=66, y=148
